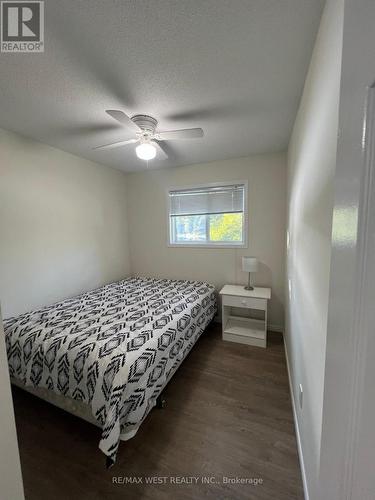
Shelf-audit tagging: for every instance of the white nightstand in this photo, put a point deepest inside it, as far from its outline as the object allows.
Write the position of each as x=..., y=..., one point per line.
x=242, y=327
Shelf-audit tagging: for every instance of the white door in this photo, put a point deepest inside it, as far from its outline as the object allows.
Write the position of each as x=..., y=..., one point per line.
x=11, y=486
x=347, y=468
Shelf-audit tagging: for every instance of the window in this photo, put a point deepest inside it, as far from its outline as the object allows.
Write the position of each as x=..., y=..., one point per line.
x=211, y=215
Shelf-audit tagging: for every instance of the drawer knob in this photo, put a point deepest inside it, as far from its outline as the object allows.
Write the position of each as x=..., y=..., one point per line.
x=243, y=301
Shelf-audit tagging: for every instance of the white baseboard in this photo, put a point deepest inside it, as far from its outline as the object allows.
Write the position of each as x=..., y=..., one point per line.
x=298, y=436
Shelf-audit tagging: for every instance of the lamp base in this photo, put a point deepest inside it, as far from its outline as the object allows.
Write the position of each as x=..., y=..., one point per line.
x=249, y=287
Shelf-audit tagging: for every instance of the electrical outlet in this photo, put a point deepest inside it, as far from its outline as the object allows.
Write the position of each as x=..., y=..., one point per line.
x=300, y=396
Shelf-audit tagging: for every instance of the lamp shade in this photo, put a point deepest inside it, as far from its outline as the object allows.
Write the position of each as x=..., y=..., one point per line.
x=250, y=264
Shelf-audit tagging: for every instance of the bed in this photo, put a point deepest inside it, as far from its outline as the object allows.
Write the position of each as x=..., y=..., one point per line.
x=107, y=354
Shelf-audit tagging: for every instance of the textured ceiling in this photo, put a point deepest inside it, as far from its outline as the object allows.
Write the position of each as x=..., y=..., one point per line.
x=233, y=67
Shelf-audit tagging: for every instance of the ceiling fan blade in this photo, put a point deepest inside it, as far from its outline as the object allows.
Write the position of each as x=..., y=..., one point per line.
x=118, y=144
x=160, y=153
x=122, y=118
x=187, y=133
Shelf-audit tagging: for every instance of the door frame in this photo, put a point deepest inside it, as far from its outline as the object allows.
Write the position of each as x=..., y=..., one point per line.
x=344, y=474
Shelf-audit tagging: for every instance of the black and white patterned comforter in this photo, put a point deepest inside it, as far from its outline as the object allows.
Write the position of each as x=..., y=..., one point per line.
x=113, y=348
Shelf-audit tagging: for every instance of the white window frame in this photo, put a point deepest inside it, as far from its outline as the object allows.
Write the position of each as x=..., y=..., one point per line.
x=243, y=244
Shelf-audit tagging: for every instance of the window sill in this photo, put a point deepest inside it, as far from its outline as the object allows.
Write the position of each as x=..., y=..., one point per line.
x=204, y=245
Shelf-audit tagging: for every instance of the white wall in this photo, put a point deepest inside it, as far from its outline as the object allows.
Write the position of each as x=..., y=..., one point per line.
x=311, y=166
x=147, y=209
x=63, y=224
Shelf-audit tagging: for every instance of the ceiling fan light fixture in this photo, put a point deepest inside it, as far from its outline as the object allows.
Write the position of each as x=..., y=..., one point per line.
x=145, y=130
x=146, y=151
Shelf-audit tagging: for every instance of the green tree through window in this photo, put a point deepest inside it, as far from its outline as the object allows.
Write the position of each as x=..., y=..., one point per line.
x=226, y=227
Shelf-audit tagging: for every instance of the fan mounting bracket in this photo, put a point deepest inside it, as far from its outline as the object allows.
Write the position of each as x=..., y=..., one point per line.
x=146, y=123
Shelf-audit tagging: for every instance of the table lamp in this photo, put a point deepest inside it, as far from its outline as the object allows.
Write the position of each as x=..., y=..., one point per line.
x=249, y=265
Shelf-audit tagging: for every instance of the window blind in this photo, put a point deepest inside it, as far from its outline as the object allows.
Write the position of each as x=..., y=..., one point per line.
x=211, y=200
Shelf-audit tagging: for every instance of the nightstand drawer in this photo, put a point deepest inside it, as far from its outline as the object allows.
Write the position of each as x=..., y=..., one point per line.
x=248, y=302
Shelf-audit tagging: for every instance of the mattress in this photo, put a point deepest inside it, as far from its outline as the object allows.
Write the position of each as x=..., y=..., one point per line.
x=112, y=349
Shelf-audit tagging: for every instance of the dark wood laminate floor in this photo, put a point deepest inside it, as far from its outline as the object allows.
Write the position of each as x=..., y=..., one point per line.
x=228, y=414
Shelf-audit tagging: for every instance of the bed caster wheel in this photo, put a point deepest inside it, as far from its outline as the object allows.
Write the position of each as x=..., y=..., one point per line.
x=161, y=402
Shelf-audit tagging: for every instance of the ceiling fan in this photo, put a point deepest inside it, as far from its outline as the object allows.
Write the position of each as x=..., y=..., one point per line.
x=147, y=136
